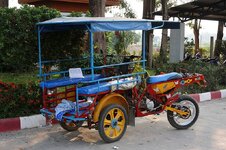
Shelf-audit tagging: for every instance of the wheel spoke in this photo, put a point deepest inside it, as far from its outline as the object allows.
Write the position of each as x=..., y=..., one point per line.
x=107, y=122
x=119, y=114
x=121, y=123
x=108, y=131
x=115, y=132
x=111, y=113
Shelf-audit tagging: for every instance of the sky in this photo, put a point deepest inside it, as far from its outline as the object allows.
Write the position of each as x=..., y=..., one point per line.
x=209, y=28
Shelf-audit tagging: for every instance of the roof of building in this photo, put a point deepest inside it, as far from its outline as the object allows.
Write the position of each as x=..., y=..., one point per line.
x=108, y=2
x=199, y=9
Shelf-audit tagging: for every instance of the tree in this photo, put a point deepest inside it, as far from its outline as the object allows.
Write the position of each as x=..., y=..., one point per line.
x=97, y=9
x=126, y=9
x=148, y=9
x=220, y=33
x=196, y=26
x=120, y=40
x=4, y=3
x=18, y=40
x=163, y=49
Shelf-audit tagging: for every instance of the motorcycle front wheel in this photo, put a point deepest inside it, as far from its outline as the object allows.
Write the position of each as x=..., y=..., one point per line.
x=186, y=104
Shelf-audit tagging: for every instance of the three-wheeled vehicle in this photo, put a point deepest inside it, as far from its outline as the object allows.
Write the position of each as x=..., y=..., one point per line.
x=87, y=97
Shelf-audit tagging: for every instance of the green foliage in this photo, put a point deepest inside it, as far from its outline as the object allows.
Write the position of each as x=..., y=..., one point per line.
x=205, y=52
x=80, y=14
x=19, y=100
x=124, y=10
x=170, y=3
x=196, y=24
x=119, y=41
x=20, y=78
x=189, y=45
x=18, y=39
x=84, y=62
x=128, y=10
x=18, y=44
x=223, y=50
x=214, y=75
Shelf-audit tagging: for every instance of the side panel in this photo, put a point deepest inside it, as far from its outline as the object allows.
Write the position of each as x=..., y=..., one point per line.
x=112, y=98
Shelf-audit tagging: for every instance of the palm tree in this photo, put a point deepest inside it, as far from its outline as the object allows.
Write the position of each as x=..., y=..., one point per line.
x=4, y=3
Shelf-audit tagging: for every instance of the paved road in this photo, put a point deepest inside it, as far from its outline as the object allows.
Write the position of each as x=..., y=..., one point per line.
x=150, y=133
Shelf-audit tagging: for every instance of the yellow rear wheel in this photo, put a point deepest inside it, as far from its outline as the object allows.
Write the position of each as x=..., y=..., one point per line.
x=112, y=123
x=72, y=126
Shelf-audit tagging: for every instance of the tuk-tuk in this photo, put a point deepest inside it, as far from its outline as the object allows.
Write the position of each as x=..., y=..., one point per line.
x=87, y=97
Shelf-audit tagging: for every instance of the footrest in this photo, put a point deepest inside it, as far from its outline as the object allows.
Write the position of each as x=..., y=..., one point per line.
x=69, y=118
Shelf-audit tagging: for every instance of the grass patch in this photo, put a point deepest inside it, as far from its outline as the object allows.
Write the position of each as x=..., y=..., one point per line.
x=18, y=78
x=151, y=72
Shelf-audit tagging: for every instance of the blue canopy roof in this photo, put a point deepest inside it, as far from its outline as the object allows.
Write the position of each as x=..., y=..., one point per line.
x=99, y=24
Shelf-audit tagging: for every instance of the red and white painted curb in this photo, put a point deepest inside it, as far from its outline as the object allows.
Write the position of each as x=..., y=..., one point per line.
x=19, y=123
x=209, y=96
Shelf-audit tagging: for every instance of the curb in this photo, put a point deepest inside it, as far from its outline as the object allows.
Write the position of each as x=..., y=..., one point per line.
x=19, y=123
x=201, y=97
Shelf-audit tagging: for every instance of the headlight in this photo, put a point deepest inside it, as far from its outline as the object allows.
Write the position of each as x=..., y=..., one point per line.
x=50, y=91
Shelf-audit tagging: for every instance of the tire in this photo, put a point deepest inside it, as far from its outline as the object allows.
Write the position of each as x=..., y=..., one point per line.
x=190, y=106
x=73, y=126
x=112, y=124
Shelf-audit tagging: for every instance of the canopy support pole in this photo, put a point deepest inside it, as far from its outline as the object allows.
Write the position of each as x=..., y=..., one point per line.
x=40, y=50
x=143, y=49
x=91, y=54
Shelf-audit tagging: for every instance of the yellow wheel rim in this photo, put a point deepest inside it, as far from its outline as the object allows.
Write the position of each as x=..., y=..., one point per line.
x=71, y=124
x=114, y=123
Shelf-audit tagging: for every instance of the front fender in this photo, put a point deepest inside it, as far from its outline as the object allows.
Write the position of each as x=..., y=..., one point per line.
x=112, y=98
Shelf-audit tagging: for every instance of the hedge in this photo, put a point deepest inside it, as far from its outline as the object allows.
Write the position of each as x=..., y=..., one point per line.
x=18, y=39
x=214, y=75
x=19, y=100
x=25, y=99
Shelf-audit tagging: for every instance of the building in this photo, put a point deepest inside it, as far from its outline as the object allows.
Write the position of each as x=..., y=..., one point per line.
x=67, y=5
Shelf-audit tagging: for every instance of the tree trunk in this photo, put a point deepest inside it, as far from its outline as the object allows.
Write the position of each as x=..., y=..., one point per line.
x=196, y=34
x=220, y=33
x=4, y=3
x=97, y=9
x=163, y=49
x=148, y=9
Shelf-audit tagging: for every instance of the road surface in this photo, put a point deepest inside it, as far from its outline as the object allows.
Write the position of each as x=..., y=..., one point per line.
x=151, y=133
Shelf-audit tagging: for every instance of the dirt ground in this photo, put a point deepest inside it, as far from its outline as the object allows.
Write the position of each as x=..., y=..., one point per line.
x=152, y=132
